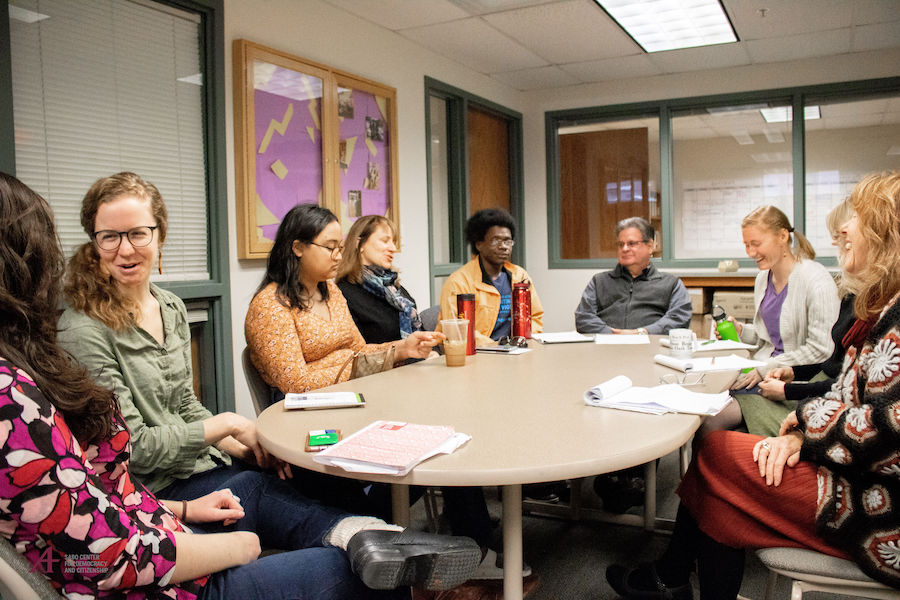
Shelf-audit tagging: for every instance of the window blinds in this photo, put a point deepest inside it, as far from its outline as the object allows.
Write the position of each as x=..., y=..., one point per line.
x=102, y=86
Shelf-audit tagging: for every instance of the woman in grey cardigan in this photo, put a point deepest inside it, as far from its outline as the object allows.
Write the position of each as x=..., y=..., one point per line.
x=796, y=303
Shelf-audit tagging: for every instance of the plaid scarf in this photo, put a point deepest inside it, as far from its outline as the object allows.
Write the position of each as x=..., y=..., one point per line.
x=380, y=282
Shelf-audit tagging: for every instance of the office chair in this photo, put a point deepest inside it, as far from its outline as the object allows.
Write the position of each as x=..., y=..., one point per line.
x=260, y=392
x=816, y=572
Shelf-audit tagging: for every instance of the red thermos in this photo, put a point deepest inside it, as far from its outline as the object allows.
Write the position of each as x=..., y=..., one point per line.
x=465, y=309
x=521, y=310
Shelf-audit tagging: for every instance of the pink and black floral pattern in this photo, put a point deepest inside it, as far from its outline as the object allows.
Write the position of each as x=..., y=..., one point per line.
x=75, y=512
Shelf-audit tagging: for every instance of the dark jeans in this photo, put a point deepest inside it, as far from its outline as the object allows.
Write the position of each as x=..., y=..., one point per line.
x=283, y=519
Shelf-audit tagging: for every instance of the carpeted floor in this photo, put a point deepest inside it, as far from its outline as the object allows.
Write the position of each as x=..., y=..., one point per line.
x=571, y=557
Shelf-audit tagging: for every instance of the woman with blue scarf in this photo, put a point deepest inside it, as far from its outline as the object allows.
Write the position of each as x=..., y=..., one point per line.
x=381, y=308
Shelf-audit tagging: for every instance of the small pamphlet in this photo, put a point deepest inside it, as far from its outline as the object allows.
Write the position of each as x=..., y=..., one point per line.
x=323, y=400
x=712, y=345
x=391, y=447
x=562, y=337
x=619, y=393
x=732, y=362
x=319, y=439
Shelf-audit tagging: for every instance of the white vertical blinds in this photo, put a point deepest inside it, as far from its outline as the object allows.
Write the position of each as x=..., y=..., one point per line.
x=102, y=86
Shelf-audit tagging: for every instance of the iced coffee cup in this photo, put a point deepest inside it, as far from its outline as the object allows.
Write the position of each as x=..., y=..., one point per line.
x=456, y=331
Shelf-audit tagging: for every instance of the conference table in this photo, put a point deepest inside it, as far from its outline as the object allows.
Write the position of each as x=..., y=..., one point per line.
x=526, y=415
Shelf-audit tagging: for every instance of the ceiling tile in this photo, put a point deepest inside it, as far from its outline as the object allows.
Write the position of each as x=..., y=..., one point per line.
x=873, y=37
x=698, y=59
x=795, y=47
x=483, y=7
x=625, y=67
x=785, y=18
x=493, y=52
x=565, y=32
x=402, y=14
x=536, y=79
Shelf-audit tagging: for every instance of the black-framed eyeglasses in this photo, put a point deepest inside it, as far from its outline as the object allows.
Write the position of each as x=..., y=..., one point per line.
x=513, y=340
x=501, y=242
x=335, y=250
x=107, y=239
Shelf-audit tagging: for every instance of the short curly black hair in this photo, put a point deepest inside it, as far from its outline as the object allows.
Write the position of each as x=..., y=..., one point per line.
x=478, y=225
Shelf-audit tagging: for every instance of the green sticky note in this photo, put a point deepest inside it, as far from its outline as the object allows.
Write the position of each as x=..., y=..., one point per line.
x=323, y=437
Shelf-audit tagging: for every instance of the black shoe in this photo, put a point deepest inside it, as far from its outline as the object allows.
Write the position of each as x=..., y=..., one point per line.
x=553, y=491
x=386, y=560
x=620, y=492
x=623, y=580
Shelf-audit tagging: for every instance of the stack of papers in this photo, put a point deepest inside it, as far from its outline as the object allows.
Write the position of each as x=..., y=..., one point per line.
x=391, y=447
x=619, y=393
x=732, y=362
x=562, y=337
x=712, y=345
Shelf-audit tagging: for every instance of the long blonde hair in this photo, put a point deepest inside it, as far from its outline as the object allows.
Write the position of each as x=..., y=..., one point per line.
x=351, y=265
x=87, y=288
x=876, y=201
x=771, y=218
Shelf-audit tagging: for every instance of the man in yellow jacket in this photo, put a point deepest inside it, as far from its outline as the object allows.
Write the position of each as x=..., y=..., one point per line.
x=490, y=276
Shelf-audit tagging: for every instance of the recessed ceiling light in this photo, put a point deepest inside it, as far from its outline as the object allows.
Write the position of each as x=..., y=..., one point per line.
x=25, y=15
x=658, y=25
x=783, y=114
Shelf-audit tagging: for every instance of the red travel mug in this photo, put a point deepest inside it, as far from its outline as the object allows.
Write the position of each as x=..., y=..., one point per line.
x=521, y=310
x=465, y=309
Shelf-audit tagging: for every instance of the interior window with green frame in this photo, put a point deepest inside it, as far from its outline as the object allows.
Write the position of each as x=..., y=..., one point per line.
x=719, y=157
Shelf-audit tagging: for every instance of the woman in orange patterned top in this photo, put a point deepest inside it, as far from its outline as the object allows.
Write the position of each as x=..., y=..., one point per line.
x=298, y=328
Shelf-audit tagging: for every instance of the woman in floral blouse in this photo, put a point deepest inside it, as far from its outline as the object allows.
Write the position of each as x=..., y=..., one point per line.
x=70, y=506
x=830, y=481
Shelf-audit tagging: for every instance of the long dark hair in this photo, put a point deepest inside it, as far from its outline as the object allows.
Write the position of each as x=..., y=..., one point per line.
x=31, y=267
x=302, y=223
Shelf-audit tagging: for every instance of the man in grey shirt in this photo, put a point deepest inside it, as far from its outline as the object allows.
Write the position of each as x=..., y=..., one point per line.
x=634, y=297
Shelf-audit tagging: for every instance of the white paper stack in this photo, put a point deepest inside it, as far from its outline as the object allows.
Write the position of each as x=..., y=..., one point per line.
x=712, y=345
x=562, y=337
x=621, y=394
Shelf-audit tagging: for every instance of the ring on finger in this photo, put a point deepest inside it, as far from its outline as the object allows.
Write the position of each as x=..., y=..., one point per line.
x=766, y=446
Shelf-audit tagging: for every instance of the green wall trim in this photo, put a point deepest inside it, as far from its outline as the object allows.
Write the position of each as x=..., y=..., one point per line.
x=796, y=97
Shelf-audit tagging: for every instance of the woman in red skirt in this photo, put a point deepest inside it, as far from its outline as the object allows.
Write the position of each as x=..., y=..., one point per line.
x=830, y=482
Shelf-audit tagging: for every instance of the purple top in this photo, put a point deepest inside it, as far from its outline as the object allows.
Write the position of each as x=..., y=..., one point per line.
x=74, y=512
x=770, y=311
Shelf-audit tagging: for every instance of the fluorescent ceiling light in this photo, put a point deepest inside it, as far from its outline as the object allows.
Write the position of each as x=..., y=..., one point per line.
x=25, y=15
x=658, y=25
x=783, y=114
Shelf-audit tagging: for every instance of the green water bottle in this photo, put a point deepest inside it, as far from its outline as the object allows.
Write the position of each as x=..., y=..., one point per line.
x=725, y=327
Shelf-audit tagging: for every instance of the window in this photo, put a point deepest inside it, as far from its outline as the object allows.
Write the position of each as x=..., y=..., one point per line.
x=853, y=137
x=474, y=154
x=718, y=158
x=101, y=86
x=726, y=161
x=609, y=172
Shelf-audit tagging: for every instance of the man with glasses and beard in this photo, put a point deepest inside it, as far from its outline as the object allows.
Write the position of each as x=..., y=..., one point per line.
x=490, y=276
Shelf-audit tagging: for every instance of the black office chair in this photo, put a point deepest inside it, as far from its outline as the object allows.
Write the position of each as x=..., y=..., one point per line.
x=261, y=393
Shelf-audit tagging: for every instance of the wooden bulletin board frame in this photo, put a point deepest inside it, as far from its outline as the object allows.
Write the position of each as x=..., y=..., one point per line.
x=307, y=133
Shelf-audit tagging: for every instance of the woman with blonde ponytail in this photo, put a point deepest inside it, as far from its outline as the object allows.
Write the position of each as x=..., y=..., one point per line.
x=796, y=303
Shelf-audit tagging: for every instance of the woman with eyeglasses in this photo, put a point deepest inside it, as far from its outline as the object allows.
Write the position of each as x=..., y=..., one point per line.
x=828, y=480
x=796, y=303
x=298, y=328
x=70, y=502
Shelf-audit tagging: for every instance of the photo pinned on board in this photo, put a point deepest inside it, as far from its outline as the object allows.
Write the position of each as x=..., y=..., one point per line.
x=373, y=177
x=345, y=104
x=354, y=203
x=375, y=129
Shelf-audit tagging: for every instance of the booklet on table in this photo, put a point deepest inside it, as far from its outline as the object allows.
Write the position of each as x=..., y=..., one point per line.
x=619, y=392
x=391, y=447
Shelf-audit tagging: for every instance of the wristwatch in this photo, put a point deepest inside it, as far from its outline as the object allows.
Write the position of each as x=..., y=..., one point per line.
x=642, y=331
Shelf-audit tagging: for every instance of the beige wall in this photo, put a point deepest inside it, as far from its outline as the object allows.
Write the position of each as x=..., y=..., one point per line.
x=322, y=33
